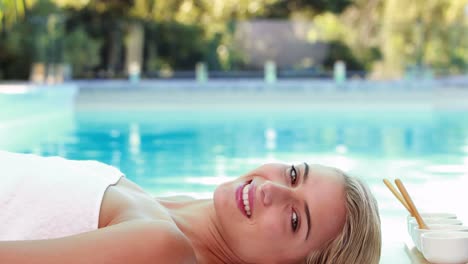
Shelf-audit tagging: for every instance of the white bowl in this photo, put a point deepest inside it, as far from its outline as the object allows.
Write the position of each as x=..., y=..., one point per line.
x=445, y=247
x=439, y=215
x=434, y=215
x=434, y=228
x=429, y=215
x=413, y=224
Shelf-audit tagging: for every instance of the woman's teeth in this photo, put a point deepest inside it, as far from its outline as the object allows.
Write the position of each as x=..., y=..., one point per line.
x=245, y=198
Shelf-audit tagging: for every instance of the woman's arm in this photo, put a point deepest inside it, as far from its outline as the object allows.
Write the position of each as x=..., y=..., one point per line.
x=136, y=241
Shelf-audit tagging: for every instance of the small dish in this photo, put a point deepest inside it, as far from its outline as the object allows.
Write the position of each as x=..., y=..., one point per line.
x=429, y=215
x=438, y=215
x=433, y=215
x=434, y=229
x=449, y=247
x=413, y=224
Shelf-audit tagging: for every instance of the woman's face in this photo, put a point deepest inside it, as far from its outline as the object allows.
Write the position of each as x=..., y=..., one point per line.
x=279, y=213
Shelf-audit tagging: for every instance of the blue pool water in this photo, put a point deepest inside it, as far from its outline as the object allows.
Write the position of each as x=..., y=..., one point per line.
x=191, y=152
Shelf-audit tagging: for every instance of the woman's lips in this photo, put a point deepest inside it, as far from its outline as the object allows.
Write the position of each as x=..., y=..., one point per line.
x=240, y=201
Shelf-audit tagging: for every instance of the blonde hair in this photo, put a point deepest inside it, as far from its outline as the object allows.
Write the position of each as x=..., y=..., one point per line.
x=360, y=240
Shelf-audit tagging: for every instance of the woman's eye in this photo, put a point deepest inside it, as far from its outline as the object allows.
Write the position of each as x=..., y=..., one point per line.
x=294, y=221
x=293, y=175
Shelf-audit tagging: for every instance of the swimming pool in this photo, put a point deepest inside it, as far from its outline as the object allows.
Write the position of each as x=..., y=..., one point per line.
x=190, y=151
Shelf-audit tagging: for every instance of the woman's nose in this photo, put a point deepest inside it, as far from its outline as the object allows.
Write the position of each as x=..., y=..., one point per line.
x=273, y=192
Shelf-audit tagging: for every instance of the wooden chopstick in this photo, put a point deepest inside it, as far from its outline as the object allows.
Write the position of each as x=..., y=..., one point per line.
x=398, y=196
x=410, y=203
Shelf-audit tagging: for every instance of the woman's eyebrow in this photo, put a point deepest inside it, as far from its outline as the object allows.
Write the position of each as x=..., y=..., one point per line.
x=306, y=206
x=306, y=172
x=306, y=209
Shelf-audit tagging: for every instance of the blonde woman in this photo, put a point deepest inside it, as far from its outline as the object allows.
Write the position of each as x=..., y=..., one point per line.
x=55, y=210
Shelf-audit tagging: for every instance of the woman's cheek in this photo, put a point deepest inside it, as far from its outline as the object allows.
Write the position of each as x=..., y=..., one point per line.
x=272, y=227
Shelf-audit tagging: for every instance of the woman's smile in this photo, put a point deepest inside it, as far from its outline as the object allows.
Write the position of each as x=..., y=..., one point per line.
x=245, y=197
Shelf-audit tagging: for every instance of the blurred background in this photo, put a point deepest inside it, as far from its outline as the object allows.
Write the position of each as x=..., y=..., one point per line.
x=164, y=39
x=182, y=95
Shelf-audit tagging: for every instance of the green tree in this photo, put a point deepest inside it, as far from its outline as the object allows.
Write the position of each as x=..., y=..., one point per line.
x=81, y=51
x=424, y=32
x=11, y=12
x=27, y=38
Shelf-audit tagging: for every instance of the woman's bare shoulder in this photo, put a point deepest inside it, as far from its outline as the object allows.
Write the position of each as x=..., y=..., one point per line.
x=174, y=242
x=127, y=201
x=136, y=241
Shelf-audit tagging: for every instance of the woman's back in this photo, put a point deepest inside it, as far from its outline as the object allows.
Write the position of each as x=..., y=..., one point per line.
x=43, y=198
x=51, y=197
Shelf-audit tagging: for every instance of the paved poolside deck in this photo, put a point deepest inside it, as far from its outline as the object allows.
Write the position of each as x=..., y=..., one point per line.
x=256, y=94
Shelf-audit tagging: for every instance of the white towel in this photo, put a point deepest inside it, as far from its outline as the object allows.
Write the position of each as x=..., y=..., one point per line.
x=50, y=197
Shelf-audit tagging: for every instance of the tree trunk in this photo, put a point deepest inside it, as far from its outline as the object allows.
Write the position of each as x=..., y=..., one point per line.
x=114, y=52
x=134, y=53
x=25, y=7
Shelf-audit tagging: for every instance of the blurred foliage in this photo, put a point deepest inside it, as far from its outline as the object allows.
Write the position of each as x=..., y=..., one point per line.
x=339, y=51
x=425, y=32
x=173, y=49
x=343, y=43
x=16, y=52
x=283, y=8
x=25, y=41
x=383, y=37
x=81, y=51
